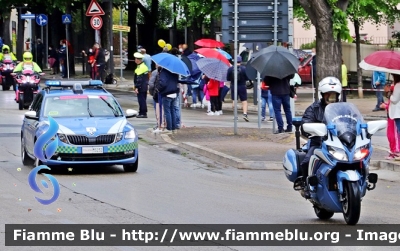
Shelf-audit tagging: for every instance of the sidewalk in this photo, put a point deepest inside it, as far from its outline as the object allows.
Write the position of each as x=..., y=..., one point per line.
x=251, y=148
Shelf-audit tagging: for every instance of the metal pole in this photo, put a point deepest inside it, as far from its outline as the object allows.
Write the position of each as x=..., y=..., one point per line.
x=41, y=38
x=312, y=81
x=120, y=43
x=47, y=44
x=30, y=24
x=185, y=34
x=259, y=99
x=275, y=43
x=111, y=39
x=66, y=48
x=290, y=47
x=290, y=29
x=96, y=36
x=235, y=47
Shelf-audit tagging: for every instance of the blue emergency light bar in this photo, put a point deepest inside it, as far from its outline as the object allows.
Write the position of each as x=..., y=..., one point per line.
x=71, y=83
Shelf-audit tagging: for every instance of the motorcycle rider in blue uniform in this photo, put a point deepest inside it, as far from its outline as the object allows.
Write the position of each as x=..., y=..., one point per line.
x=330, y=89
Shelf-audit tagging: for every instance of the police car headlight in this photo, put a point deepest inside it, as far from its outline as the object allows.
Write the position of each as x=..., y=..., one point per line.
x=338, y=153
x=130, y=135
x=62, y=138
x=119, y=136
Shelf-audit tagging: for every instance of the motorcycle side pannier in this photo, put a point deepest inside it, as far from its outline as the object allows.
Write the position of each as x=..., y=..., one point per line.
x=291, y=163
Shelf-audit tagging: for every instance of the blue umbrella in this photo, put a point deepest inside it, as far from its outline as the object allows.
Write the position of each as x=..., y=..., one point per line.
x=171, y=63
x=193, y=59
x=213, y=68
x=226, y=54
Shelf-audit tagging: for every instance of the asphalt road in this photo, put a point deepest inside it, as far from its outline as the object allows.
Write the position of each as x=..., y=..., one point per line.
x=168, y=188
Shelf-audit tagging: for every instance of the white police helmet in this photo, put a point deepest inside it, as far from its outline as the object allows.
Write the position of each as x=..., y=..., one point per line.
x=329, y=84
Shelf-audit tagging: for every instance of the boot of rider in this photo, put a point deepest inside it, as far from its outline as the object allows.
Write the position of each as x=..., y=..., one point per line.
x=304, y=171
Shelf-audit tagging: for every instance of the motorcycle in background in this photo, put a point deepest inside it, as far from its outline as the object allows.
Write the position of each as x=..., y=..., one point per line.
x=6, y=68
x=27, y=86
x=338, y=172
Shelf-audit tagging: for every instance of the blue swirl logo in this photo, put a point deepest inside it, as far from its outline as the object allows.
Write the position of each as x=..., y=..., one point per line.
x=45, y=147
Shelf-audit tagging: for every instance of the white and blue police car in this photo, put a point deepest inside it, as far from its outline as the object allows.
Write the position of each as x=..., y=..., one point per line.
x=92, y=128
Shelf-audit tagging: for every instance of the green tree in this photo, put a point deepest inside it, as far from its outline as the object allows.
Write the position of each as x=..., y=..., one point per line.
x=375, y=11
x=196, y=15
x=329, y=20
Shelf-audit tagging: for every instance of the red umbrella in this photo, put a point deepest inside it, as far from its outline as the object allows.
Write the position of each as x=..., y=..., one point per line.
x=211, y=53
x=385, y=61
x=209, y=43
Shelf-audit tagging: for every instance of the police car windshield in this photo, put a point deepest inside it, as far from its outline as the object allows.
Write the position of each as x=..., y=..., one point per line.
x=77, y=106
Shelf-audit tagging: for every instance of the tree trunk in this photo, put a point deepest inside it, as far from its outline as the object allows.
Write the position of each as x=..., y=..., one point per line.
x=328, y=51
x=358, y=55
x=20, y=35
x=132, y=42
x=6, y=30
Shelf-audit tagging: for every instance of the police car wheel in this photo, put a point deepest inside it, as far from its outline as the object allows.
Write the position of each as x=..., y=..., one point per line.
x=26, y=161
x=132, y=167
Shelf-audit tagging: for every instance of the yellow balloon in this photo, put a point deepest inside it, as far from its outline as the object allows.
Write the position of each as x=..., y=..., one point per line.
x=161, y=43
x=169, y=47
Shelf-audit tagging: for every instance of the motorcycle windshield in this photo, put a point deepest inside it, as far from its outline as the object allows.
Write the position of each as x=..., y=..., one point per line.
x=345, y=117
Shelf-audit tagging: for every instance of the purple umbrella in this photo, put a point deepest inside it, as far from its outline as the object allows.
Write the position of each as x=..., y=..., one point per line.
x=213, y=68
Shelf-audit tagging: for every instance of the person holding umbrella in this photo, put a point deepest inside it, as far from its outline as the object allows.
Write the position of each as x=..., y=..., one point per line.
x=241, y=85
x=280, y=92
x=213, y=88
x=141, y=80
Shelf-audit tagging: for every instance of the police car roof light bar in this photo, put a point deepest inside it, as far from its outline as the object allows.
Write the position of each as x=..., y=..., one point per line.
x=58, y=83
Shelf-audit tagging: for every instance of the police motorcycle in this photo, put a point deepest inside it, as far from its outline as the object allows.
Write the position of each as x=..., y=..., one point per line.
x=6, y=68
x=338, y=172
x=27, y=86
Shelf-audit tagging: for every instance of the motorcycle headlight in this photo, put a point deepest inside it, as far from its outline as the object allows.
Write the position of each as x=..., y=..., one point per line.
x=361, y=152
x=119, y=136
x=338, y=153
x=62, y=138
x=130, y=135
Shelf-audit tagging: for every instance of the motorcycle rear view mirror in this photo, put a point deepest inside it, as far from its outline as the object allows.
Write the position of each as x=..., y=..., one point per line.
x=374, y=126
x=31, y=115
x=315, y=129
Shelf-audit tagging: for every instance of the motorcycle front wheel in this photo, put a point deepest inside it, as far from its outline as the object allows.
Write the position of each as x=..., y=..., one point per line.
x=21, y=101
x=322, y=213
x=351, y=203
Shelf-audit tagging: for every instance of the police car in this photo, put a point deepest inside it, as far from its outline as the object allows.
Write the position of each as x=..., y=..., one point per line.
x=91, y=127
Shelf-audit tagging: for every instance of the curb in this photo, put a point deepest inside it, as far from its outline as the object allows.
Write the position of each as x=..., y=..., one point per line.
x=385, y=165
x=232, y=161
x=219, y=156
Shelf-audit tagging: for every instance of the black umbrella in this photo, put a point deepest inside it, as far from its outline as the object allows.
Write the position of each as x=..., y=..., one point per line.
x=275, y=61
x=250, y=71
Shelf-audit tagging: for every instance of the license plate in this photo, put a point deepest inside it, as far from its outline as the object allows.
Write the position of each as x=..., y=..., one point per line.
x=95, y=149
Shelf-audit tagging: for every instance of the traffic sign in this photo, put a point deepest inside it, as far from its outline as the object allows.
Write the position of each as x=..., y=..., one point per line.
x=27, y=16
x=121, y=28
x=96, y=22
x=255, y=21
x=66, y=19
x=41, y=19
x=94, y=9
